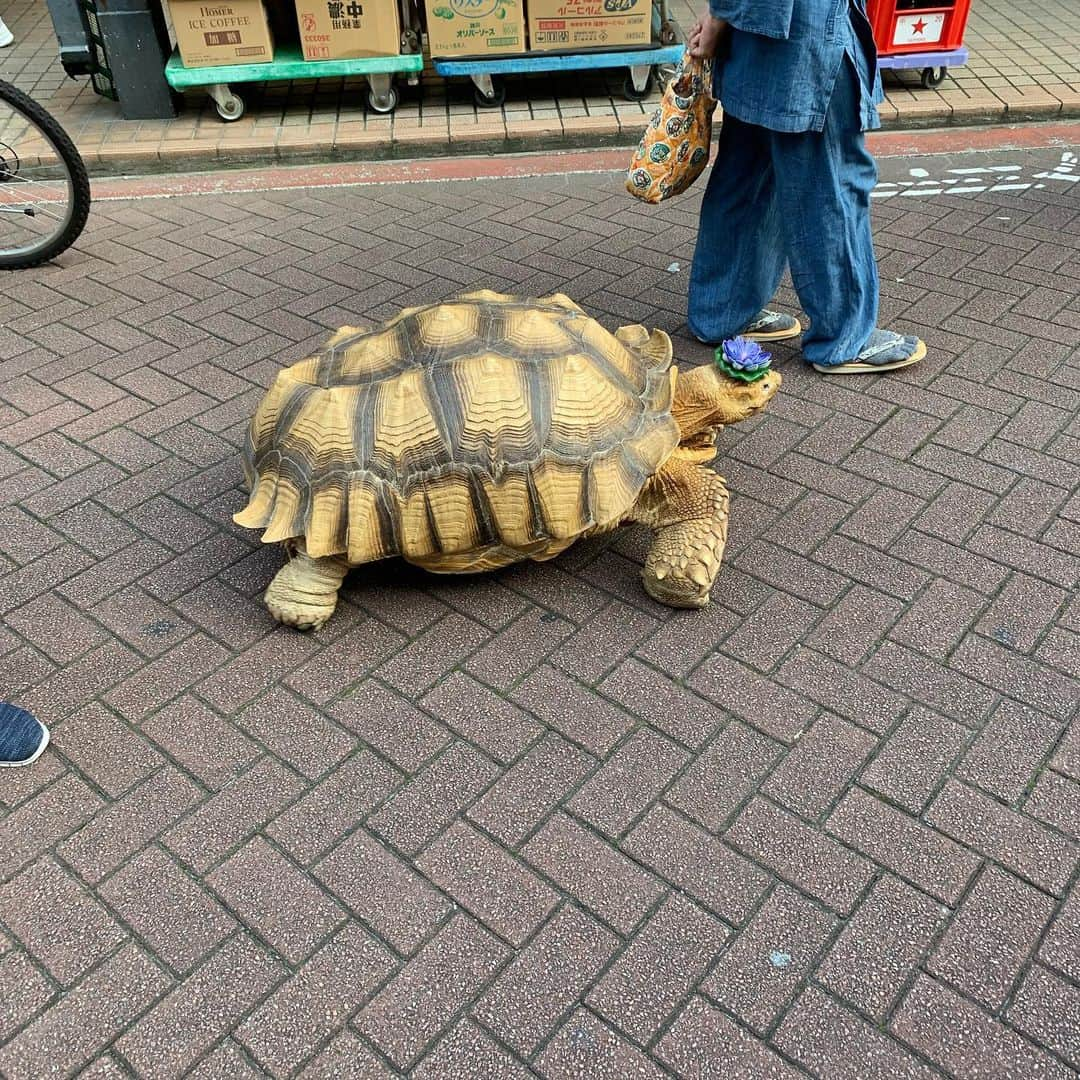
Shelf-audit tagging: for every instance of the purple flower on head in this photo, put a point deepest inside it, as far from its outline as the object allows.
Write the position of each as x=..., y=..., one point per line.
x=743, y=359
x=744, y=354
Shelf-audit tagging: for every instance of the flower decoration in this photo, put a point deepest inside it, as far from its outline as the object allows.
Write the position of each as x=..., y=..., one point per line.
x=740, y=358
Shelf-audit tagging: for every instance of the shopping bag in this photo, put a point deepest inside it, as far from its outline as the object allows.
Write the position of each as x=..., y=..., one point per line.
x=674, y=150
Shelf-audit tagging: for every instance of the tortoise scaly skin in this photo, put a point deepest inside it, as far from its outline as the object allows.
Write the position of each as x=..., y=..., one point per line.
x=472, y=434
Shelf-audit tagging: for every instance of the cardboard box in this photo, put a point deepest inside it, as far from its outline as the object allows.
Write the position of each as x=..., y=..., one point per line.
x=345, y=29
x=459, y=28
x=230, y=32
x=572, y=25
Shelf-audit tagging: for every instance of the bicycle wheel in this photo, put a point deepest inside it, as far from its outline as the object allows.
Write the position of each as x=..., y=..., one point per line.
x=44, y=190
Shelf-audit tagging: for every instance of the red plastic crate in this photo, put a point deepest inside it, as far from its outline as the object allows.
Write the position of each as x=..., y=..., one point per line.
x=918, y=26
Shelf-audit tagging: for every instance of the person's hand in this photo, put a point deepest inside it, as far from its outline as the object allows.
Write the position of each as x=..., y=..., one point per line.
x=705, y=36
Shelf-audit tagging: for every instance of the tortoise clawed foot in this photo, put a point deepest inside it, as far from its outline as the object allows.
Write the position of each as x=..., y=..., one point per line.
x=300, y=616
x=677, y=587
x=304, y=591
x=685, y=557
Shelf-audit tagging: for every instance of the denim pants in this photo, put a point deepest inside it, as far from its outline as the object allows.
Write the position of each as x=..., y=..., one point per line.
x=778, y=199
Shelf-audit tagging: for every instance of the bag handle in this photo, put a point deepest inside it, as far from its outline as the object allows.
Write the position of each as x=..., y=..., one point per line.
x=700, y=70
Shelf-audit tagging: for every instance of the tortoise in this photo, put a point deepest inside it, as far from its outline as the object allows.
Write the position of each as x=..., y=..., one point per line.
x=471, y=434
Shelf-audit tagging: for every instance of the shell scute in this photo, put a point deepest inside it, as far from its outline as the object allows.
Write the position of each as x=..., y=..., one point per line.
x=513, y=506
x=562, y=493
x=406, y=437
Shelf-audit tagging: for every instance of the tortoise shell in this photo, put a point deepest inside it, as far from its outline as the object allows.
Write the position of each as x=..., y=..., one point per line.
x=481, y=424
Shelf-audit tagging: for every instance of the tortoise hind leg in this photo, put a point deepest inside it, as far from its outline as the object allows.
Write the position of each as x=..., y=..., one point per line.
x=687, y=505
x=304, y=591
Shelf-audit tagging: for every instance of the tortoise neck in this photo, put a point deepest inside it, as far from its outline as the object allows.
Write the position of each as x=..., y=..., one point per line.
x=694, y=407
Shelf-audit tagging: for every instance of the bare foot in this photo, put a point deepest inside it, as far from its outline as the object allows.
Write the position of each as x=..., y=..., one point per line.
x=705, y=36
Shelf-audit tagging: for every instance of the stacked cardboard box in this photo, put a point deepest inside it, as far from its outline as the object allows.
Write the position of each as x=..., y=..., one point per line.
x=345, y=29
x=575, y=25
x=229, y=32
x=475, y=27
x=478, y=28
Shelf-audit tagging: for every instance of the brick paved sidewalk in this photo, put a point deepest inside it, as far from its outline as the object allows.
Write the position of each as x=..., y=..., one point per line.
x=1025, y=64
x=534, y=824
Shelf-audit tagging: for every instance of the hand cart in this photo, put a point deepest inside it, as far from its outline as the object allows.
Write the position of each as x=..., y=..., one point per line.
x=914, y=34
x=289, y=63
x=641, y=63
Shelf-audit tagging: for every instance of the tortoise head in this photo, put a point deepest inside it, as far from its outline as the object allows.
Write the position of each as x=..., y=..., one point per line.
x=706, y=399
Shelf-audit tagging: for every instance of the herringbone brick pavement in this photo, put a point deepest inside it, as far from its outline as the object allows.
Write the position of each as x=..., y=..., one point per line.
x=533, y=824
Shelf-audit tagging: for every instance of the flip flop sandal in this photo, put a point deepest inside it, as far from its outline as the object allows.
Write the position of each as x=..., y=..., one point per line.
x=771, y=326
x=867, y=365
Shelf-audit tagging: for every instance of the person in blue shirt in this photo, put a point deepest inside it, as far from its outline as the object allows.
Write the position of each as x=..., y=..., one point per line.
x=799, y=86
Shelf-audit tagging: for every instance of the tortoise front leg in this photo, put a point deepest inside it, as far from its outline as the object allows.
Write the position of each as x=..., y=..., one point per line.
x=687, y=505
x=304, y=591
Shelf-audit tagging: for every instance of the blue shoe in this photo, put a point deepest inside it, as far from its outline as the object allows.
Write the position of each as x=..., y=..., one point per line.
x=885, y=351
x=23, y=737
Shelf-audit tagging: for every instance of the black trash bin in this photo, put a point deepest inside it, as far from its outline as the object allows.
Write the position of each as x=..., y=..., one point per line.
x=122, y=45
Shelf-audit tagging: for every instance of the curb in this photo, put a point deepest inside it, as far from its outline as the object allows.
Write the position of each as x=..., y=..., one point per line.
x=515, y=137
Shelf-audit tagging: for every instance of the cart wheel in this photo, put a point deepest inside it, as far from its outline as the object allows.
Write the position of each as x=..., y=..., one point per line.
x=383, y=103
x=932, y=77
x=230, y=108
x=631, y=92
x=496, y=100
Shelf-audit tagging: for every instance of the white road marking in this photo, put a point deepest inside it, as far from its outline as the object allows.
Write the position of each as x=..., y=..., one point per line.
x=964, y=181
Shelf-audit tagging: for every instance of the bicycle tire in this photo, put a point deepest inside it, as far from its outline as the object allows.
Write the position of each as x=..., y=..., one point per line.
x=76, y=175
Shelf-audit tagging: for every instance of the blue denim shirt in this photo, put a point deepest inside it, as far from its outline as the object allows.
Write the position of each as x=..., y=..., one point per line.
x=782, y=58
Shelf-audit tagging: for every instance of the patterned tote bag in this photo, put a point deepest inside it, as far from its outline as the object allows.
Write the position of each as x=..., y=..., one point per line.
x=674, y=150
